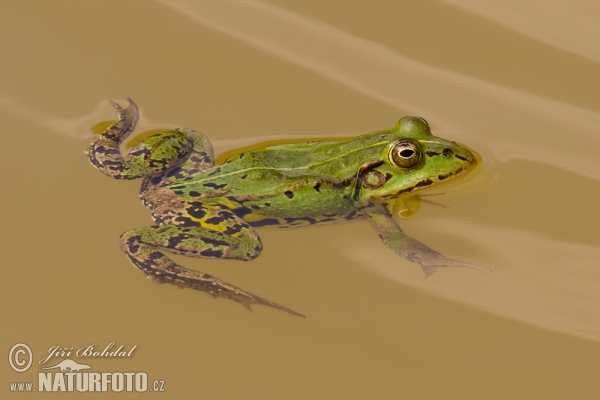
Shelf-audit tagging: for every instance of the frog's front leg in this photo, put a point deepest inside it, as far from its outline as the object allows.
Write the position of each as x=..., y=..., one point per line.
x=410, y=248
x=236, y=241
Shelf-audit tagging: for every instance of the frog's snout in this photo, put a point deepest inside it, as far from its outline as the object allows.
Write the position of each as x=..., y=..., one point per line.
x=468, y=158
x=471, y=159
x=462, y=154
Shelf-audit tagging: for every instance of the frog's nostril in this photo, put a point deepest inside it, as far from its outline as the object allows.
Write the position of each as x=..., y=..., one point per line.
x=447, y=152
x=465, y=158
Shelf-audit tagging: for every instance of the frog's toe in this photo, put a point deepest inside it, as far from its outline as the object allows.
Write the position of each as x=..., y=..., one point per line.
x=127, y=118
x=428, y=270
x=247, y=299
x=429, y=267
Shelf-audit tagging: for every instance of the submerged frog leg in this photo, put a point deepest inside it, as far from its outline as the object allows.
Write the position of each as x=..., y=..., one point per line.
x=150, y=156
x=410, y=248
x=233, y=238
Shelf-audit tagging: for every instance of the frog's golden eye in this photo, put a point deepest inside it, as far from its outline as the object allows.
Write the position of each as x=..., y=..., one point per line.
x=405, y=154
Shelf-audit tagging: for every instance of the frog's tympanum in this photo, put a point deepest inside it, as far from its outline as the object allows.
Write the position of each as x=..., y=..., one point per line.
x=210, y=211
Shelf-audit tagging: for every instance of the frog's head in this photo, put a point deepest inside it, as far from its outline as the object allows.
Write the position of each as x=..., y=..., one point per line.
x=412, y=160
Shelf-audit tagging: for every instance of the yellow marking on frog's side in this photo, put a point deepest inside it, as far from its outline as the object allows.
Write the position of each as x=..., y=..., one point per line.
x=220, y=227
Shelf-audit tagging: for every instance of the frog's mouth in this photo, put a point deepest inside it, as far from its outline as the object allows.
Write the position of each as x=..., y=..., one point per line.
x=424, y=183
x=469, y=164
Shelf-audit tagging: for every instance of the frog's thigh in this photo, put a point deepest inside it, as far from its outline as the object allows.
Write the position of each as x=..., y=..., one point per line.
x=215, y=234
x=157, y=153
x=142, y=243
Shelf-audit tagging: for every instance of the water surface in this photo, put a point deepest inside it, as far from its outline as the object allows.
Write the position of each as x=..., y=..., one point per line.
x=497, y=80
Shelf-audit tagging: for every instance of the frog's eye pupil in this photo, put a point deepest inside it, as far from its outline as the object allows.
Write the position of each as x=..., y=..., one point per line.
x=405, y=154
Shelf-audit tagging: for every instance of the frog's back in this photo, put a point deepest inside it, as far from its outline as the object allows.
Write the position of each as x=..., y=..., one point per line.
x=310, y=154
x=290, y=184
x=301, y=179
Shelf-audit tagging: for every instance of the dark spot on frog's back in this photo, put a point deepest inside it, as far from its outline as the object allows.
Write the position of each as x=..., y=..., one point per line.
x=214, y=220
x=215, y=185
x=196, y=211
x=289, y=194
x=242, y=211
x=317, y=186
x=233, y=229
x=194, y=193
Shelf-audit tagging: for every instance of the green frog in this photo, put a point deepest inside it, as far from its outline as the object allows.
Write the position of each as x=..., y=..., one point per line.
x=205, y=210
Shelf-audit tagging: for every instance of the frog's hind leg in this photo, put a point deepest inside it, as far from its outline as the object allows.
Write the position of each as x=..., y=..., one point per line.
x=150, y=157
x=153, y=192
x=239, y=241
x=200, y=157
